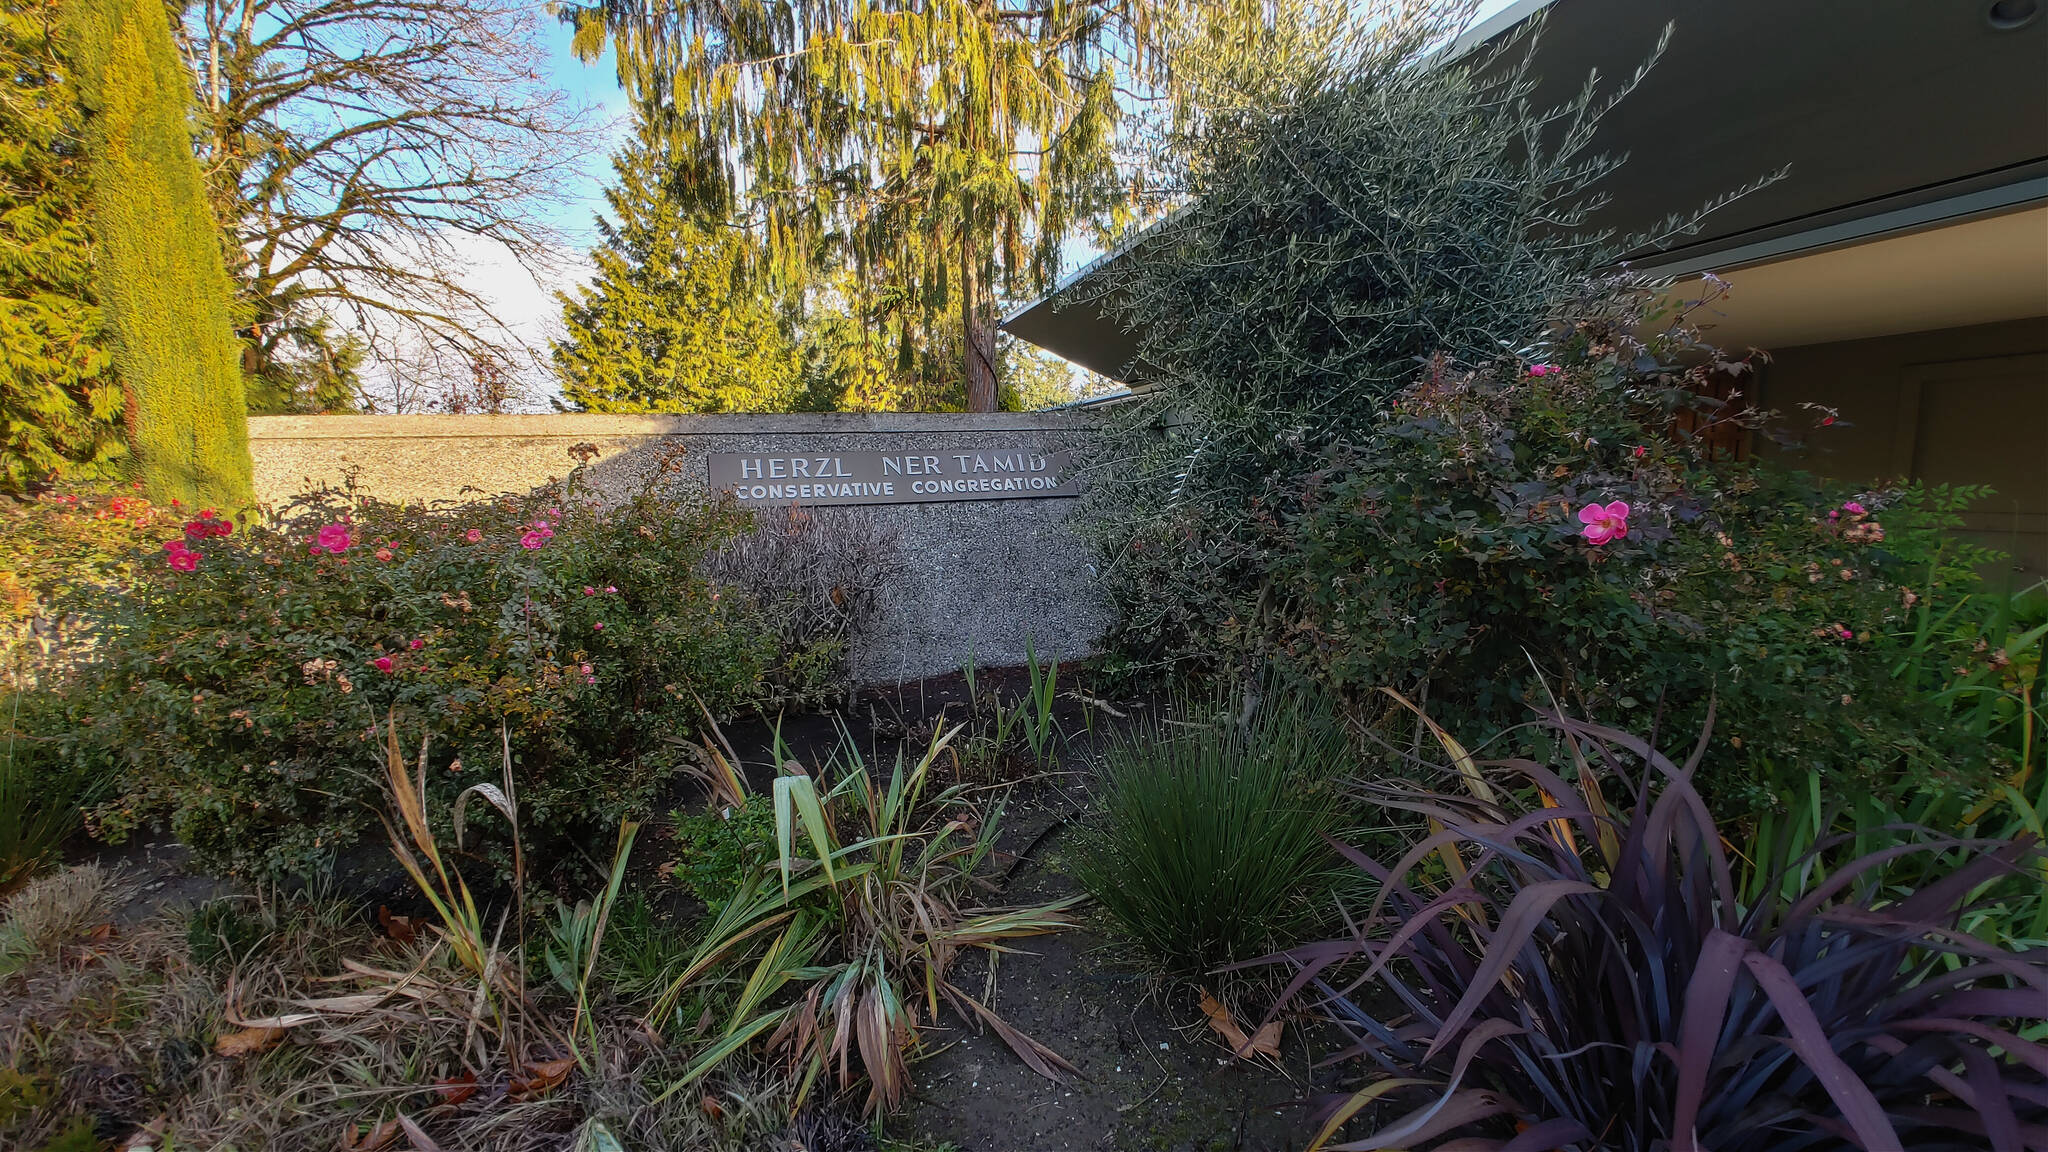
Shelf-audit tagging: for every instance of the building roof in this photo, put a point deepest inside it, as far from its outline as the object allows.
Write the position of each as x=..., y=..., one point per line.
x=1888, y=117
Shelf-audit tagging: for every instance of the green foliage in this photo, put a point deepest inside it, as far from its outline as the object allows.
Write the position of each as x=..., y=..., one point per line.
x=158, y=260
x=673, y=320
x=61, y=541
x=1208, y=843
x=43, y=792
x=721, y=848
x=243, y=697
x=59, y=401
x=833, y=947
x=1786, y=603
x=945, y=150
x=1355, y=207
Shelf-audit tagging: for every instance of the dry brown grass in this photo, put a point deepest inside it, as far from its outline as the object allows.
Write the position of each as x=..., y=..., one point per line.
x=345, y=1031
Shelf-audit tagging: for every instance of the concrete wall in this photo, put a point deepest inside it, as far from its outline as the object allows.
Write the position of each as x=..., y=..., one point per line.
x=975, y=577
x=1950, y=406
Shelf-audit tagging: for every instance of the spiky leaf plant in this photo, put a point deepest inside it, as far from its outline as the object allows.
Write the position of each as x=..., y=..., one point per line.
x=1546, y=973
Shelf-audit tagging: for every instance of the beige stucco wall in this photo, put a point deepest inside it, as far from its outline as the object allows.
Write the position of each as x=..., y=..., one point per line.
x=1951, y=406
x=975, y=579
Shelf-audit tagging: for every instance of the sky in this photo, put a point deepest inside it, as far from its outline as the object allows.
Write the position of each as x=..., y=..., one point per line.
x=524, y=301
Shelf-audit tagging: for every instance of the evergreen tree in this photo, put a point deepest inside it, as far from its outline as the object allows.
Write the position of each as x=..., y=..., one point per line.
x=59, y=400
x=159, y=271
x=943, y=148
x=672, y=321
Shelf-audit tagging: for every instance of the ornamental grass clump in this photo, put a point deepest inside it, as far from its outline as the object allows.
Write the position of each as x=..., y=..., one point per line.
x=1209, y=839
x=1564, y=963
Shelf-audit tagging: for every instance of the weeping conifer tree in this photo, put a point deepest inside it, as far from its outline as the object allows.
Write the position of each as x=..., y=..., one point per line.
x=160, y=276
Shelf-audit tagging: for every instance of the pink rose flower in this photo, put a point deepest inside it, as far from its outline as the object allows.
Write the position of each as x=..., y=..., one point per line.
x=416, y=645
x=382, y=663
x=585, y=669
x=1853, y=508
x=1604, y=523
x=1542, y=369
x=531, y=540
x=334, y=538
x=473, y=535
x=597, y=627
x=609, y=589
x=1640, y=451
x=589, y=591
x=384, y=554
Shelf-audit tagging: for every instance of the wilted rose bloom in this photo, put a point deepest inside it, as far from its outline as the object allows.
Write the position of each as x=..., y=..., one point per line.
x=334, y=538
x=384, y=554
x=473, y=535
x=382, y=663
x=531, y=540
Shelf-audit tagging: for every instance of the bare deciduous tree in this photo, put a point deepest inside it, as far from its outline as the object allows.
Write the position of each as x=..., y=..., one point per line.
x=351, y=144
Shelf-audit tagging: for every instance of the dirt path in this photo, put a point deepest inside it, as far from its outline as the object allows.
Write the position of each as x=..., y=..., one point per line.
x=1154, y=1078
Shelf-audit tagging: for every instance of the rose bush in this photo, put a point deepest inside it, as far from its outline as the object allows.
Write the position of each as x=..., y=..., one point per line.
x=241, y=677
x=1514, y=532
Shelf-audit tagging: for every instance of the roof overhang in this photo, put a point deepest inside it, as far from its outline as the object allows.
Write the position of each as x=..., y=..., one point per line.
x=1890, y=118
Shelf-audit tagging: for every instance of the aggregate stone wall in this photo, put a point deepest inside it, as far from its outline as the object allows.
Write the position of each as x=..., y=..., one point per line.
x=974, y=579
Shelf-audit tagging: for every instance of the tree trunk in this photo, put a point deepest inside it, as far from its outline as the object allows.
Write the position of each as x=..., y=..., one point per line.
x=978, y=329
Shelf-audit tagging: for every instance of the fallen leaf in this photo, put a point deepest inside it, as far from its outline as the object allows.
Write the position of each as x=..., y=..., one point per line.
x=420, y=1140
x=1264, y=1042
x=538, y=1077
x=247, y=1041
x=400, y=928
x=711, y=1107
x=456, y=1089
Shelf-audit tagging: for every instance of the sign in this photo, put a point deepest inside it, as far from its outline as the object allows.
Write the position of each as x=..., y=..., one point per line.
x=907, y=477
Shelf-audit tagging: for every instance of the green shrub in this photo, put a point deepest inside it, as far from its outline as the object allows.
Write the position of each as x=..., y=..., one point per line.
x=1356, y=205
x=1207, y=845
x=160, y=275
x=240, y=680
x=1448, y=556
x=719, y=849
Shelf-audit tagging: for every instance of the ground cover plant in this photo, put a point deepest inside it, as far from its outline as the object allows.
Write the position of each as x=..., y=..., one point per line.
x=1577, y=970
x=1207, y=843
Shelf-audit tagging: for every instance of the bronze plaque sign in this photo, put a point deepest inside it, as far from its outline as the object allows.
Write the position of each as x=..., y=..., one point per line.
x=907, y=477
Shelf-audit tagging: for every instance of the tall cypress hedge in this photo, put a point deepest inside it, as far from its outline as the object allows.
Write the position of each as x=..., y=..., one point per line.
x=161, y=278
